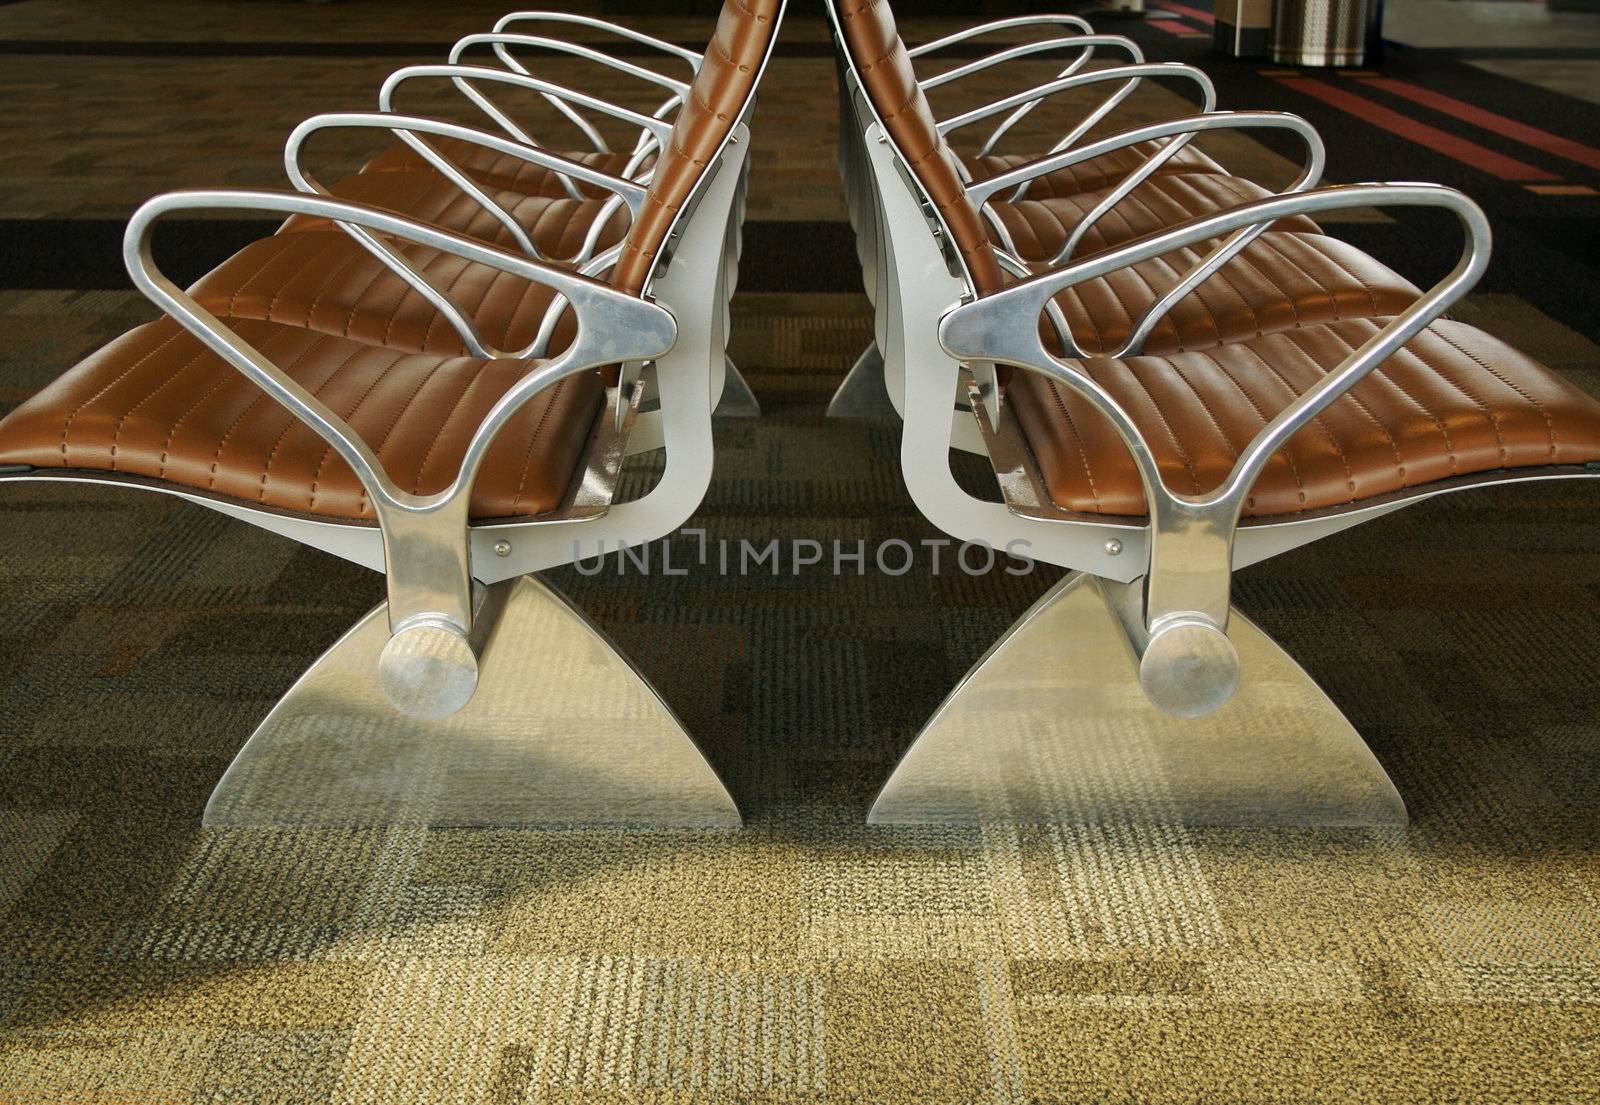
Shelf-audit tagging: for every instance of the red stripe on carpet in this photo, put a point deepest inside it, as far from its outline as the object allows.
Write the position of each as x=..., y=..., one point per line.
x=1184, y=9
x=1173, y=27
x=1442, y=142
x=1488, y=120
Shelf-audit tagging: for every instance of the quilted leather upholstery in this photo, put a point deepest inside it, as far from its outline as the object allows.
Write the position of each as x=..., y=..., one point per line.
x=717, y=95
x=1039, y=228
x=496, y=170
x=323, y=280
x=157, y=403
x=557, y=225
x=1278, y=282
x=1088, y=176
x=1453, y=402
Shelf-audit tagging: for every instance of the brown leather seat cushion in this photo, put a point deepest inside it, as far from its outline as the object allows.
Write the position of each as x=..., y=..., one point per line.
x=497, y=170
x=556, y=225
x=1105, y=171
x=157, y=403
x=1039, y=228
x=1278, y=282
x=1453, y=402
x=324, y=280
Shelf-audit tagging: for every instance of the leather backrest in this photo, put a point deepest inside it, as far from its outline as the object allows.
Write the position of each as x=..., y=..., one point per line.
x=717, y=96
x=890, y=85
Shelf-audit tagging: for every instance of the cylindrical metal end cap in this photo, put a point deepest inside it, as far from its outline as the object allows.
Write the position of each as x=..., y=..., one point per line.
x=1190, y=668
x=428, y=670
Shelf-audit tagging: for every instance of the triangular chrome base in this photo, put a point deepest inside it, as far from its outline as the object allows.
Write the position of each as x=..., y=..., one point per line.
x=1051, y=726
x=737, y=401
x=561, y=731
x=863, y=393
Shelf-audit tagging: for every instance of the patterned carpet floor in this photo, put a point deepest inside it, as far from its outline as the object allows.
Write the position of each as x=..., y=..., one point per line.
x=808, y=958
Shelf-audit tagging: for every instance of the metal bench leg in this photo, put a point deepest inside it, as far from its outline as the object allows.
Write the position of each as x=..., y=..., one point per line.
x=863, y=392
x=561, y=731
x=1051, y=726
x=737, y=401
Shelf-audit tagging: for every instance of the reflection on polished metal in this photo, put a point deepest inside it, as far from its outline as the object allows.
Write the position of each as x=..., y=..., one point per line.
x=1052, y=726
x=863, y=393
x=737, y=401
x=562, y=730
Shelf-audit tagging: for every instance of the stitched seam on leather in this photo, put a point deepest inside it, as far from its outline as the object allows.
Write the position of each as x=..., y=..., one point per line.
x=1177, y=371
x=1155, y=404
x=116, y=434
x=272, y=454
x=449, y=292
x=1488, y=413
x=1324, y=288
x=1078, y=442
x=1344, y=461
x=283, y=285
x=228, y=376
x=405, y=408
x=438, y=434
x=533, y=439
x=1255, y=405
x=129, y=371
x=1225, y=278
x=1394, y=445
x=327, y=451
x=332, y=278
x=380, y=270
x=216, y=458
x=1549, y=422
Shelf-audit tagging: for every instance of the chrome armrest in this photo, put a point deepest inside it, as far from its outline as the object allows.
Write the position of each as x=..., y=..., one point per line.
x=686, y=55
x=1310, y=175
x=655, y=127
x=1010, y=24
x=1185, y=592
x=425, y=536
x=501, y=41
x=1130, y=75
x=1086, y=42
x=407, y=127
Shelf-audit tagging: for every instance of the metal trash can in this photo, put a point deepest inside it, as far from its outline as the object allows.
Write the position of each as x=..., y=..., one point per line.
x=1320, y=32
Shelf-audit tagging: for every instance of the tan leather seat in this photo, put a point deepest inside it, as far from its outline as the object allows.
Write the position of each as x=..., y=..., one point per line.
x=556, y=225
x=324, y=280
x=1105, y=171
x=497, y=170
x=1039, y=228
x=1453, y=402
x=1278, y=282
x=158, y=403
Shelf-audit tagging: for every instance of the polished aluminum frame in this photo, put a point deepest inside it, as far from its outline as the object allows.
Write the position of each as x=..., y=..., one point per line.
x=1161, y=584
x=424, y=668
x=873, y=387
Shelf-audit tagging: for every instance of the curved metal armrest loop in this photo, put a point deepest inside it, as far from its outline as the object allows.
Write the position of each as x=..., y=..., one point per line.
x=995, y=26
x=500, y=41
x=657, y=128
x=1192, y=535
x=1086, y=42
x=407, y=127
x=1130, y=75
x=1310, y=175
x=510, y=19
x=612, y=327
